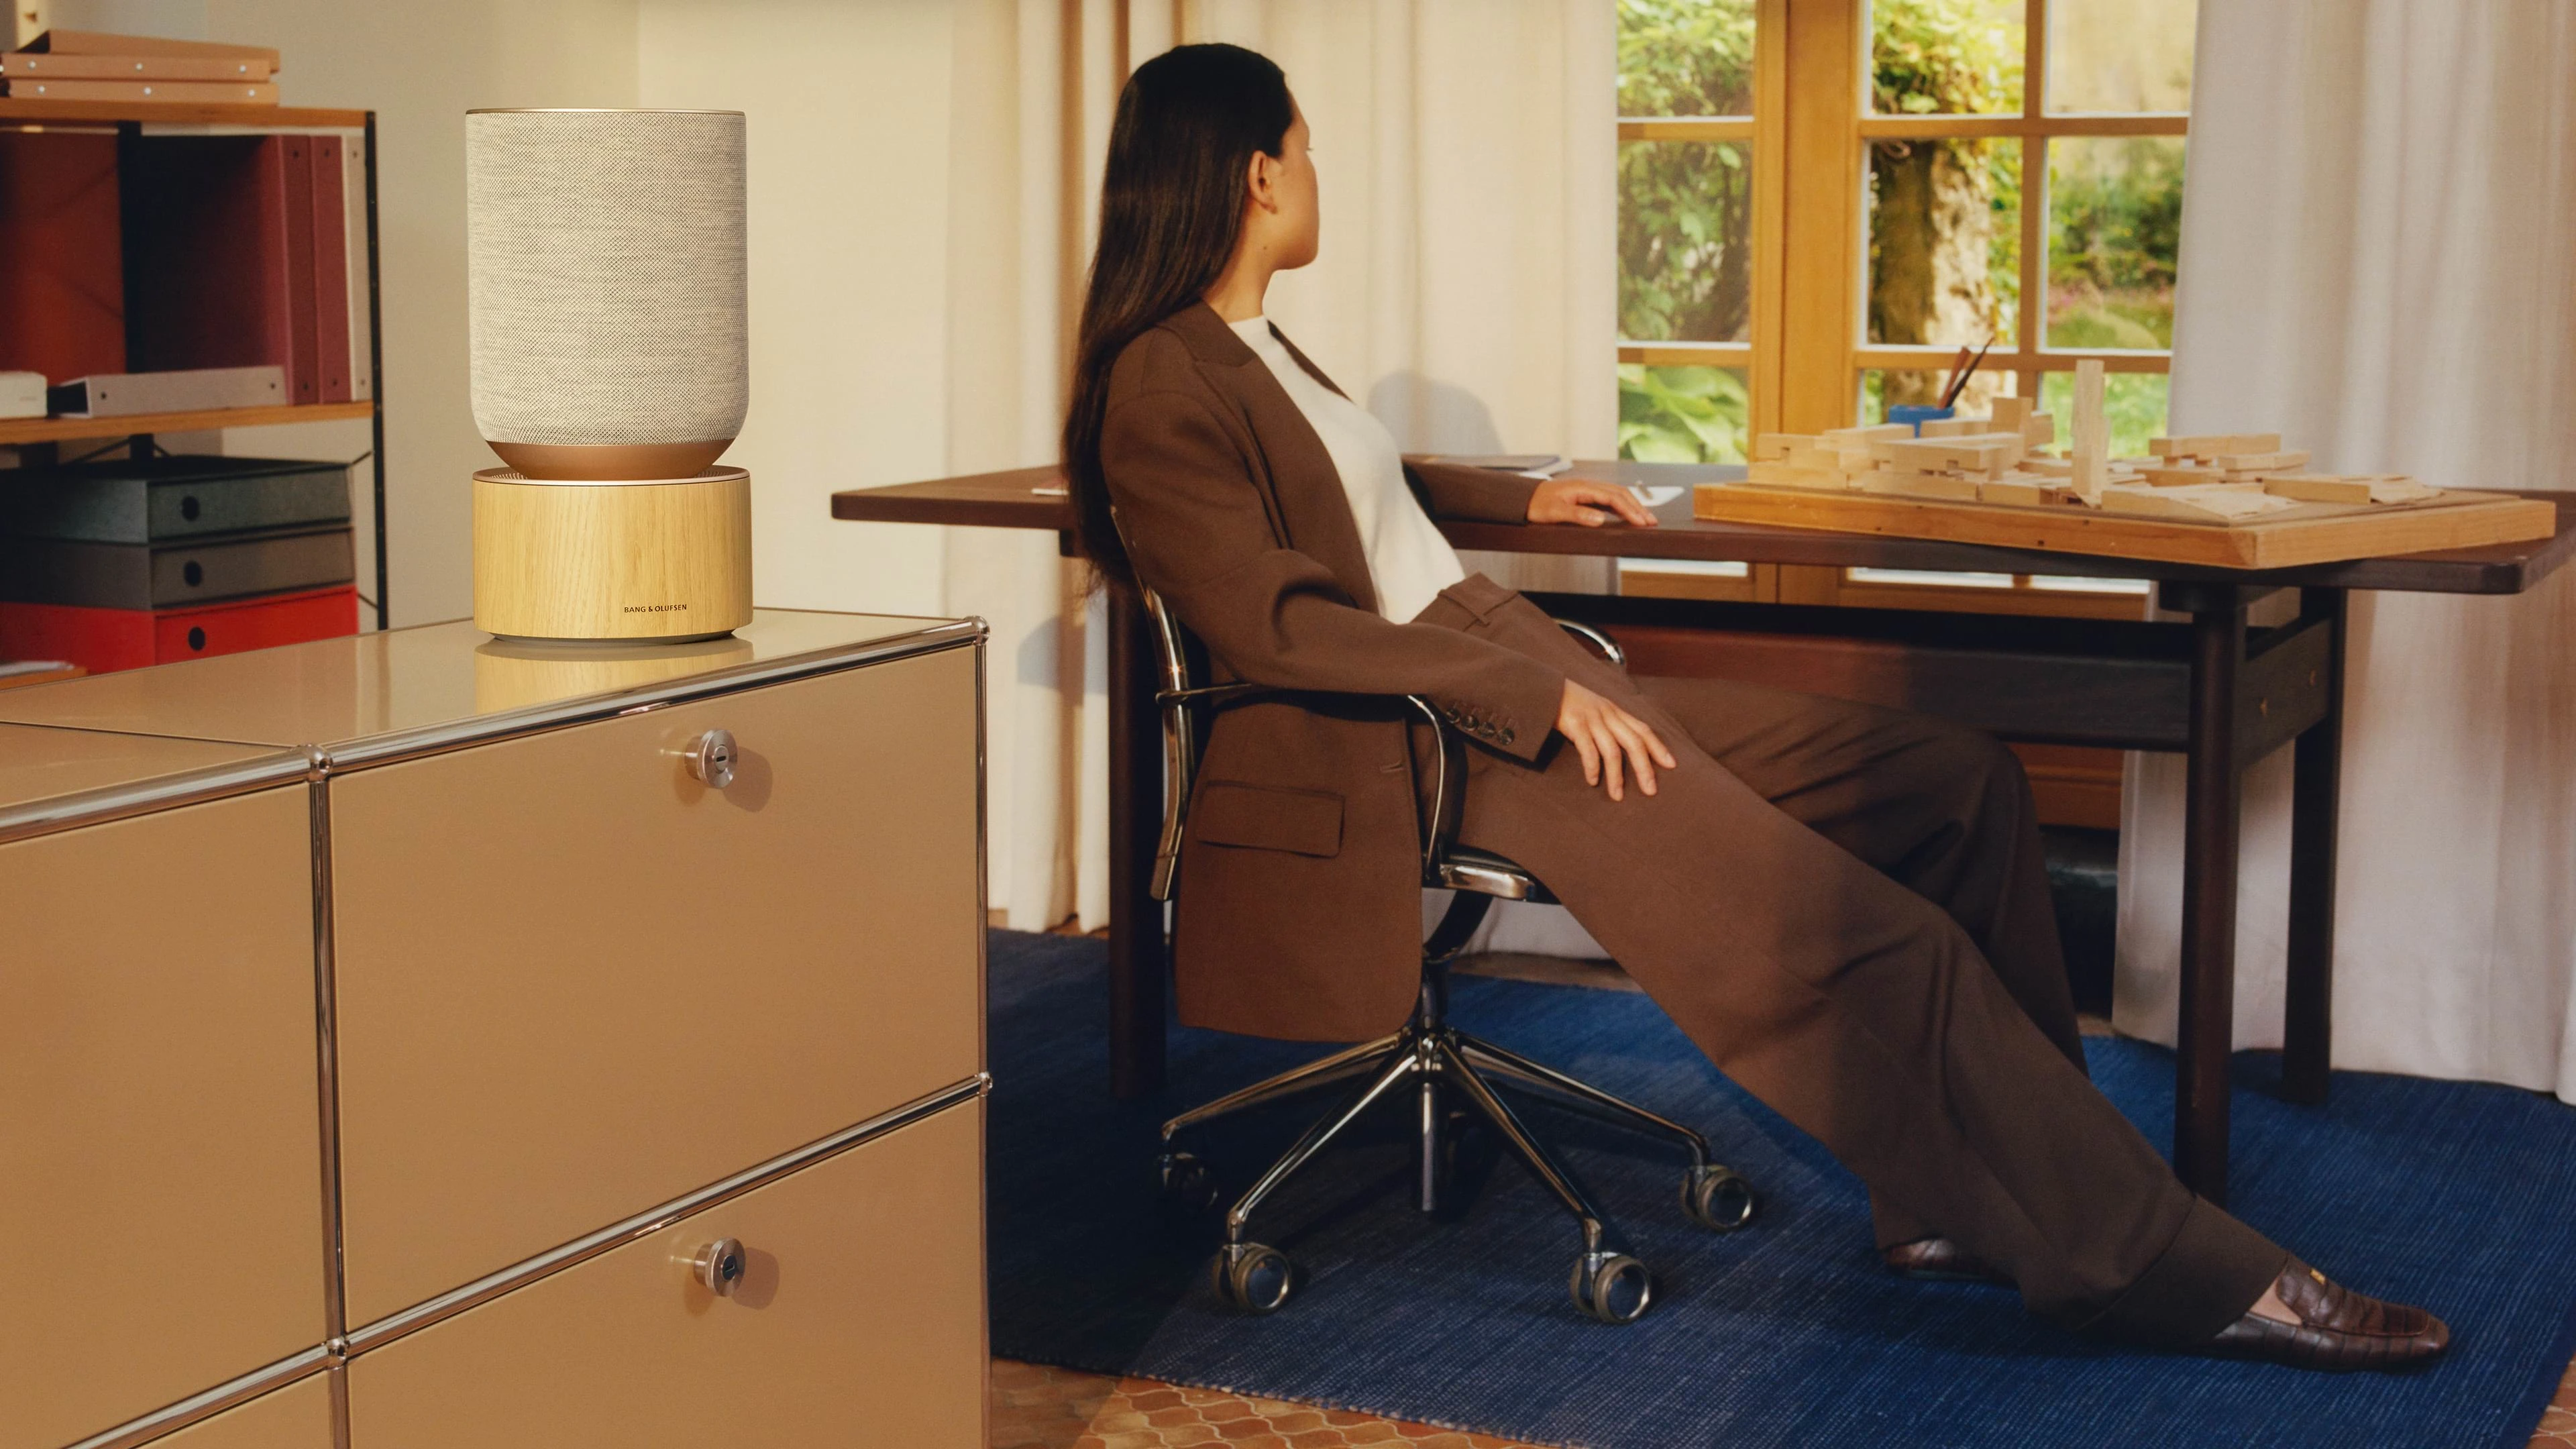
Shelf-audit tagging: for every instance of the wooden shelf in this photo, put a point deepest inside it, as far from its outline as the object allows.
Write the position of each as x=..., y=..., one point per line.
x=186, y=113
x=19, y=431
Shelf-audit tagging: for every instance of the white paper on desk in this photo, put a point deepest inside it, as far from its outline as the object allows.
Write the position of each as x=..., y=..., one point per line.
x=1656, y=497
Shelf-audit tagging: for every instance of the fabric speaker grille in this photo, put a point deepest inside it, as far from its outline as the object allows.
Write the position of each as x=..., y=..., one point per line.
x=606, y=276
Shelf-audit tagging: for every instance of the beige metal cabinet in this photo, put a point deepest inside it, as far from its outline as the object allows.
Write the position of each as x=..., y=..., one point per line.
x=859, y=1319
x=295, y=1417
x=399, y=1012
x=159, y=1133
x=575, y=981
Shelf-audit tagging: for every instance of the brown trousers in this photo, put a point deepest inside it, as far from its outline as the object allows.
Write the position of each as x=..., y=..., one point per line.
x=1845, y=907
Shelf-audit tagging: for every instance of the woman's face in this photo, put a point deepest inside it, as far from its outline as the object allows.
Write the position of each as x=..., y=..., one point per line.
x=1293, y=216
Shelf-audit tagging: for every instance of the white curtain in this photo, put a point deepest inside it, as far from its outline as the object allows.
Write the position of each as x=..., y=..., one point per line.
x=2379, y=260
x=1466, y=294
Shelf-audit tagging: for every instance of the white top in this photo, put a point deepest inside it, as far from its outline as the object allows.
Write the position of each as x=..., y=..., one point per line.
x=1408, y=560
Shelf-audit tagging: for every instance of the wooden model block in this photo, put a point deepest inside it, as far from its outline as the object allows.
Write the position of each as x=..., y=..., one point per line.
x=1907, y=482
x=2024, y=488
x=2318, y=488
x=2275, y=461
x=1813, y=455
x=2039, y=430
x=1777, y=445
x=2051, y=467
x=1789, y=475
x=1978, y=455
x=1863, y=437
x=2328, y=488
x=2211, y=445
x=2398, y=488
x=1952, y=427
x=2180, y=475
x=2205, y=504
x=2091, y=446
x=2010, y=413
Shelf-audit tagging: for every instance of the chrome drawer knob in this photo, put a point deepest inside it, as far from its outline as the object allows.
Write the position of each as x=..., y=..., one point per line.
x=711, y=758
x=719, y=1265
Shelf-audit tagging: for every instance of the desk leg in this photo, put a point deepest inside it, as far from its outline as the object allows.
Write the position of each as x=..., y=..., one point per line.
x=1136, y=944
x=2211, y=815
x=2307, y=1055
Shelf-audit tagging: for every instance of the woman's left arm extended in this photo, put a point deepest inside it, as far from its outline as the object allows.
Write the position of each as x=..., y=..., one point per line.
x=1486, y=495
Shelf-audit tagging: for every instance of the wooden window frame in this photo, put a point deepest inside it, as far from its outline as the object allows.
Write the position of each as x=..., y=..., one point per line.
x=1810, y=131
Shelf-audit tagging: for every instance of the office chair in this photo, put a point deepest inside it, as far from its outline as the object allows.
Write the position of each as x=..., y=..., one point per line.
x=1440, y=1060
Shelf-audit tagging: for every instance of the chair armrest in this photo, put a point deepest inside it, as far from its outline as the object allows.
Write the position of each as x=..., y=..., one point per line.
x=1602, y=644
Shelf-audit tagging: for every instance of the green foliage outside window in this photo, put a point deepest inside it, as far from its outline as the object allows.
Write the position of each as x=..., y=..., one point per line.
x=1682, y=414
x=2115, y=234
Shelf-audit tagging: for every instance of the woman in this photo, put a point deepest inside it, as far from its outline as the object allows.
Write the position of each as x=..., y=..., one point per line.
x=1843, y=906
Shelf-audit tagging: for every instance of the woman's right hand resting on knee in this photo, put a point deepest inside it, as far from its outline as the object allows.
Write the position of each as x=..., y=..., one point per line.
x=1611, y=741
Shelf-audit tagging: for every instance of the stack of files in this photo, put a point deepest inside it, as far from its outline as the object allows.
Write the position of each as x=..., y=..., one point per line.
x=118, y=565
x=82, y=65
x=238, y=253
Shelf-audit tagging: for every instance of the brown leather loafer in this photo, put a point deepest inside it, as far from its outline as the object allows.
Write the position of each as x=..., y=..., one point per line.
x=1938, y=1260
x=2337, y=1329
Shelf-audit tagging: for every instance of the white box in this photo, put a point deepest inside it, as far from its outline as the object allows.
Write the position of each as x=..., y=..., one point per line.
x=111, y=395
x=22, y=394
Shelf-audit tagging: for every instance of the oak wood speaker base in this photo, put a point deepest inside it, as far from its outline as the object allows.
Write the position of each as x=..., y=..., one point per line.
x=646, y=561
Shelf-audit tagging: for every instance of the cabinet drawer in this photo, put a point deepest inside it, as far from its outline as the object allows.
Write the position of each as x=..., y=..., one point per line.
x=859, y=1320
x=574, y=982
x=159, y=1123
x=295, y=1417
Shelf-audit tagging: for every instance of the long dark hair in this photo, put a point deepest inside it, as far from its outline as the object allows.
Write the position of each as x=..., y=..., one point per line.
x=1171, y=207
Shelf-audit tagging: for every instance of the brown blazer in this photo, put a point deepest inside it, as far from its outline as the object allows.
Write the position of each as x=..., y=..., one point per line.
x=1300, y=903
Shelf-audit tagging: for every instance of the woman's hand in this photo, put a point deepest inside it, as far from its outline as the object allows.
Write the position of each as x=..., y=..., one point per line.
x=1580, y=500
x=1610, y=740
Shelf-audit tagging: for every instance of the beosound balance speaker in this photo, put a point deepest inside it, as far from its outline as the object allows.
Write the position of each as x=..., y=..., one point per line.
x=611, y=361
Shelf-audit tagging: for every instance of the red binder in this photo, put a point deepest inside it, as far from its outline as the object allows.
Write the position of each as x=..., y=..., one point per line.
x=61, y=291
x=331, y=268
x=102, y=640
x=303, y=366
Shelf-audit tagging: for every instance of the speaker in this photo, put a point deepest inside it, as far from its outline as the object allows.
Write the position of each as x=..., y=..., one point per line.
x=606, y=303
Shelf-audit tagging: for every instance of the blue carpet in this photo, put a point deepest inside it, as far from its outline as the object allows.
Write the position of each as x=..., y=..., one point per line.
x=1788, y=1333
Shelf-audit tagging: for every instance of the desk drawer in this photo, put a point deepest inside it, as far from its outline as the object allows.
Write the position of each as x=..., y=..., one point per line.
x=160, y=1141
x=575, y=982
x=859, y=1320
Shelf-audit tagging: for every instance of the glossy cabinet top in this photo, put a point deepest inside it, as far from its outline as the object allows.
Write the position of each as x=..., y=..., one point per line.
x=451, y=682
x=43, y=764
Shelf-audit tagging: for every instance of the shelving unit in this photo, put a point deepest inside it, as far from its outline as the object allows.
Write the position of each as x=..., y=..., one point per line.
x=136, y=120
x=20, y=432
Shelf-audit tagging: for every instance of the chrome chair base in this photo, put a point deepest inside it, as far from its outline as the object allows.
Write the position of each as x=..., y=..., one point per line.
x=1443, y=1065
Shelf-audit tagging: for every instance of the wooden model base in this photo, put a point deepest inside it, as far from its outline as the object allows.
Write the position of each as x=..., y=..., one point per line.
x=650, y=561
x=2306, y=534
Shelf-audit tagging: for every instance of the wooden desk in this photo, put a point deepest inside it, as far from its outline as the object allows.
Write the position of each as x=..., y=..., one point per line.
x=2216, y=690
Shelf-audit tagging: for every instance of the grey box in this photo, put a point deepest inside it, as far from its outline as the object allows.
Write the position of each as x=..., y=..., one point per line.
x=146, y=576
x=161, y=499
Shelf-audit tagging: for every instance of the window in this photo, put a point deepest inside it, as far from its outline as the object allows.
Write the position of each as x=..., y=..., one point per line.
x=1686, y=226
x=1821, y=201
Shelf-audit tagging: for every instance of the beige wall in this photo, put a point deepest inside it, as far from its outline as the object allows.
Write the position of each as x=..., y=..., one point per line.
x=847, y=106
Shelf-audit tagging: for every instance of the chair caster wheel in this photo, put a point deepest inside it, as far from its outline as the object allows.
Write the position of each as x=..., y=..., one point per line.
x=1612, y=1287
x=1187, y=1182
x=1252, y=1277
x=1717, y=1198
